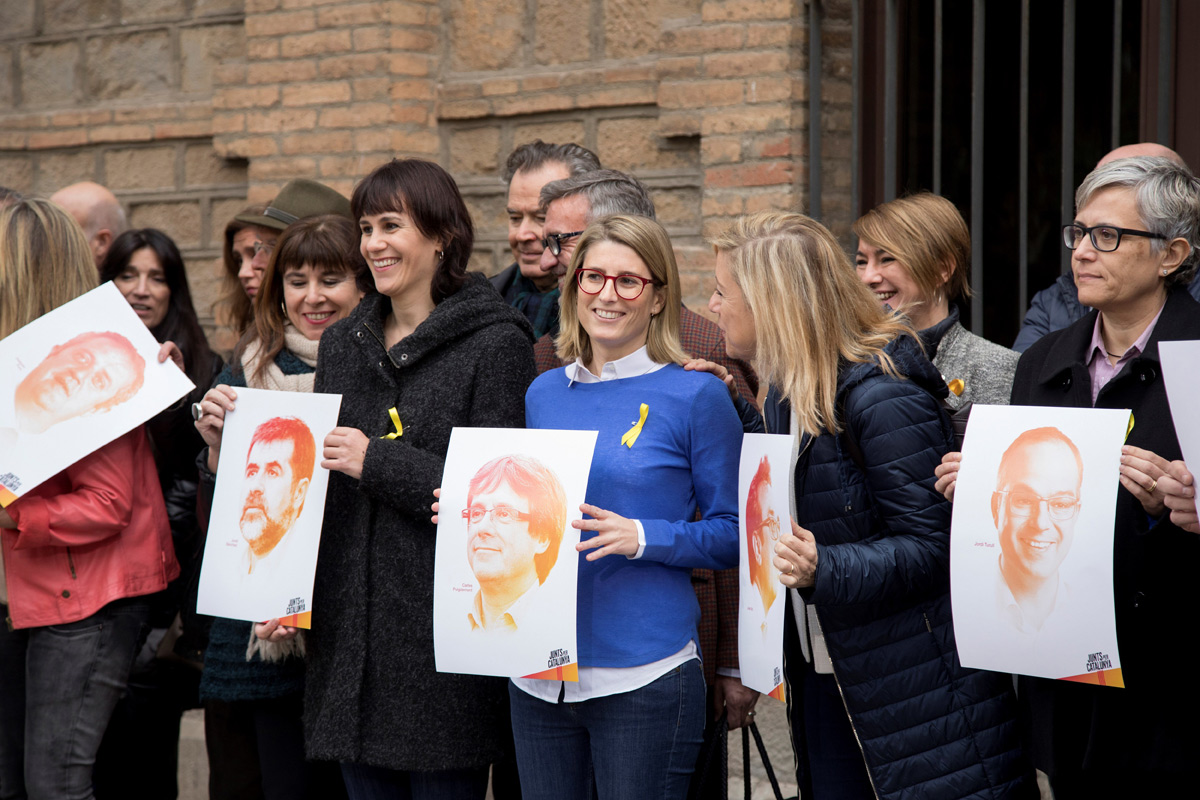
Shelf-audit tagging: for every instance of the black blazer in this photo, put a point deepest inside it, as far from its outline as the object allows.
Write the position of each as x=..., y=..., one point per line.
x=1147, y=726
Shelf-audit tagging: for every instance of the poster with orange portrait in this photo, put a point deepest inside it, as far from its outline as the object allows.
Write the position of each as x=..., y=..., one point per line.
x=764, y=504
x=74, y=380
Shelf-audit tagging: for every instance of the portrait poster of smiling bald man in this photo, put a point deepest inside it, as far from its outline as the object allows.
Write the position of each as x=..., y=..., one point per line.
x=264, y=531
x=72, y=381
x=1031, y=544
x=506, y=568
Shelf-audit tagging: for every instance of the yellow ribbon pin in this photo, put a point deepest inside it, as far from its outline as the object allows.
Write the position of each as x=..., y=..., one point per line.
x=395, y=421
x=1129, y=428
x=633, y=433
x=957, y=386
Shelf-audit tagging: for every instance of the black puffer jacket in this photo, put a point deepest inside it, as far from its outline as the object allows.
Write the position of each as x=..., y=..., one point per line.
x=373, y=696
x=928, y=727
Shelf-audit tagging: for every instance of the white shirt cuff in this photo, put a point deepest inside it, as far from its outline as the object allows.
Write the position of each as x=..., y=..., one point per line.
x=641, y=540
x=727, y=672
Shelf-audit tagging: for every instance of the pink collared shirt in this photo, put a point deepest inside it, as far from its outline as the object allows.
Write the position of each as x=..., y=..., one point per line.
x=1099, y=368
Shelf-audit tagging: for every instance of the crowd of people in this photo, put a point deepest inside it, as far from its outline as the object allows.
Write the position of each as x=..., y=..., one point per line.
x=863, y=358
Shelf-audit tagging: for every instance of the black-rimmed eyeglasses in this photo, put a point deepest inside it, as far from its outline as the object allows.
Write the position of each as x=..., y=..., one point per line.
x=1105, y=238
x=628, y=287
x=553, y=241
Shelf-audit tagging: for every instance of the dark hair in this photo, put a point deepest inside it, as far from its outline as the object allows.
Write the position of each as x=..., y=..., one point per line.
x=180, y=325
x=330, y=244
x=430, y=197
x=233, y=295
x=536, y=154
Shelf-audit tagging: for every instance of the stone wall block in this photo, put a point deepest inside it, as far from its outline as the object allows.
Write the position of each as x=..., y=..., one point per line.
x=48, y=73
x=178, y=219
x=630, y=28
x=18, y=18
x=679, y=206
x=203, y=49
x=56, y=170
x=555, y=132
x=335, y=67
x=489, y=213
x=129, y=65
x=74, y=15
x=562, y=32
x=202, y=167
x=309, y=94
x=16, y=172
x=632, y=145
x=134, y=11
x=139, y=168
x=205, y=8
x=281, y=23
x=7, y=96
x=315, y=44
x=486, y=35
x=475, y=151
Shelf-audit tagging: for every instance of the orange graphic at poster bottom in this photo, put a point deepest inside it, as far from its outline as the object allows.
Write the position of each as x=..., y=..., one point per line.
x=570, y=672
x=1105, y=677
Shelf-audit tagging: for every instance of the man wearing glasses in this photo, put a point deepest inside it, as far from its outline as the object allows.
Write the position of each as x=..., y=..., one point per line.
x=515, y=517
x=1035, y=506
x=297, y=200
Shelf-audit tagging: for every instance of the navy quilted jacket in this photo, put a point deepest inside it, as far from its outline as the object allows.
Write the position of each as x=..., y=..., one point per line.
x=928, y=727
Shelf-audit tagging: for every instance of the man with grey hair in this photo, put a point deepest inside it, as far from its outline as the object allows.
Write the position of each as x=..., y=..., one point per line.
x=97, y=211
x=1057, y=306
x=524, y=285
x=570, y=205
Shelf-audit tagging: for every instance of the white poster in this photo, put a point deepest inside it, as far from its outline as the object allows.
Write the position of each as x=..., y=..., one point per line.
x=74, y=380
x=763, y=478
x=265, y=527
x=1031, y=544
x=506, y=573
x=1181, y=371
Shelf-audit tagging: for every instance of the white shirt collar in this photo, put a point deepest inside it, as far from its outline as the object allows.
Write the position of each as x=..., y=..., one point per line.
x=633, y=365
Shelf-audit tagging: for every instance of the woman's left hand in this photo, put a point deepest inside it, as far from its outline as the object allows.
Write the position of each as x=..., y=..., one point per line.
x=712, y=367
x=171, y=350
x=796, y=558
x=272, y=631
x=1140, y=472
x=615, y=535
x=345, y=450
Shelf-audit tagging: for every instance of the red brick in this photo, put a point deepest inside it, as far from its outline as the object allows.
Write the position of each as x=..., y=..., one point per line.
x=407, y=64
x=79, y=118
x=770, y=90
x=411, y=90
x=703, y=38
x=465, y=109
x=720, y=150
x=370, y=39
x=773, y=34
x=420, y=142
x=499, y=86
x=299, y=143
x=465, y=90
x=410, y=14
x=183, y=130
x=258, y=6
x=341, y=167
x=699, y=94
x=770, y=118
x=281, y=72
x=414, y=40
x=618, y=96
x=774, y=148
x=767, y=174
x=252, y=147
x=228, y=122
x=729, y=65
x=262, y=49
x=120, y=133
x=352, y=14
x=229, y=74
x=629, y=74
x=283, y=168
x=370, y=89
x=731, y=10
x=145, y=114
x=280, y=120
x=540, y=83
x=278, y=24
x=678, y=67
x=372, y=140
x=315, y=44
x=532, y=104
x=350, y=66
x=410, y=114
x=358, y=115
x=257, y=97
x=309, y=94
x=12, y=140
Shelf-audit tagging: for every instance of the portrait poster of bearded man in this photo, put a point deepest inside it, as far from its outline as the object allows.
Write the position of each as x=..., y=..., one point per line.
x=264, y=531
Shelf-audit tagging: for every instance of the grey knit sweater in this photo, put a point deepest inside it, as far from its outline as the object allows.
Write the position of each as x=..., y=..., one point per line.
x=986, y=369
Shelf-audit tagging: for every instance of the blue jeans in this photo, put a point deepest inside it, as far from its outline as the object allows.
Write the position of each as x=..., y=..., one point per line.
x=55, y=713
x=634, y=745
x=376, y=783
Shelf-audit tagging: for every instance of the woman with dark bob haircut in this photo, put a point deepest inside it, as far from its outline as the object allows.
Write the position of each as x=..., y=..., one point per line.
x=433, y=348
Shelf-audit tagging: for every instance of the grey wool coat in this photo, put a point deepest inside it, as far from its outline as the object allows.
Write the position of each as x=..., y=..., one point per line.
x=985, y=368
x=372, y=695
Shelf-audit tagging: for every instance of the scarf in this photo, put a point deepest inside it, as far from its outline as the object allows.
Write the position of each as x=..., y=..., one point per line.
x=273, y=377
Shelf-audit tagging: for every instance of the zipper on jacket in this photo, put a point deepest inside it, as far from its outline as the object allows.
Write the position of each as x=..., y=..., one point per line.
x=381, y=344
x=854, y=729
x=71, y=563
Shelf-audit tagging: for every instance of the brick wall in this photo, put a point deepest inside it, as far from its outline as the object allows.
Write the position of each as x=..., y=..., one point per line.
x=186, y=108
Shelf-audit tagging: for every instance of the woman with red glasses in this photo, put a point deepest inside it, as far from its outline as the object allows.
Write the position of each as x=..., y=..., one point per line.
x=668, y=446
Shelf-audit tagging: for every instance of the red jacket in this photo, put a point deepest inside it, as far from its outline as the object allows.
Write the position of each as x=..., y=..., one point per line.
x=94, y=533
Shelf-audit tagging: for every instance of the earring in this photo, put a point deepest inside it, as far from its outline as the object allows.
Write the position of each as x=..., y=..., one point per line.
x=440, y=254
x=283, y=308
x=1165, y=272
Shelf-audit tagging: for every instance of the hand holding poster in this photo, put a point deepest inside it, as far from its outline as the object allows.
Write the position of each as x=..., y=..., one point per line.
x=265, y=527
x=1031, y=543
x=763, y=480
x=506, y=569
x=76, y=379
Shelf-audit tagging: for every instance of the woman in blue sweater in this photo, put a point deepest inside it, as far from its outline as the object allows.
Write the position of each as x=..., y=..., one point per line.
x=668, y=447
x=880, y=705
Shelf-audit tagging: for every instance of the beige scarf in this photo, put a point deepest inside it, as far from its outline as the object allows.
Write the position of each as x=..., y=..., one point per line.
x=273, y=377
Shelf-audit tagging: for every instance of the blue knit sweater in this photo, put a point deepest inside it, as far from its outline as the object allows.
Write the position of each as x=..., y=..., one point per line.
x=634, y=612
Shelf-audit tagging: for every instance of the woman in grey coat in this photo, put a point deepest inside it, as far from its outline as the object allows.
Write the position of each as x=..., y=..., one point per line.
x=432, y=349
x=914, y=253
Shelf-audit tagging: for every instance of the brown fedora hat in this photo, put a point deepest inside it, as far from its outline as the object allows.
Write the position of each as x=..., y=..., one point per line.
x=299, y=199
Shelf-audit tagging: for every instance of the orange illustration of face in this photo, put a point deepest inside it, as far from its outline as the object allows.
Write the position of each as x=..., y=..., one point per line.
x=91, y=373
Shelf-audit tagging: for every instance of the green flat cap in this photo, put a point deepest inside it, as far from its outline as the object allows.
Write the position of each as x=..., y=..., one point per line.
x=299, y=199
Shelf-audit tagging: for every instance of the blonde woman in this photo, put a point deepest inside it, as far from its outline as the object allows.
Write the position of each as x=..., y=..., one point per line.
x=668, y=446
x=880, y=705
x=914, y=253
x=82, y=551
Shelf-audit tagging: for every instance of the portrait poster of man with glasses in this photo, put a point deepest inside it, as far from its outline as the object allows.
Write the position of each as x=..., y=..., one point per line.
x=1031, y=546
x=506, y=566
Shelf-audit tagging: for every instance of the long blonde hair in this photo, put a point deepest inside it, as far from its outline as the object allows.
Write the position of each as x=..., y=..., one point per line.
x=810, y=310
x=45, y=261
x=647, y=238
